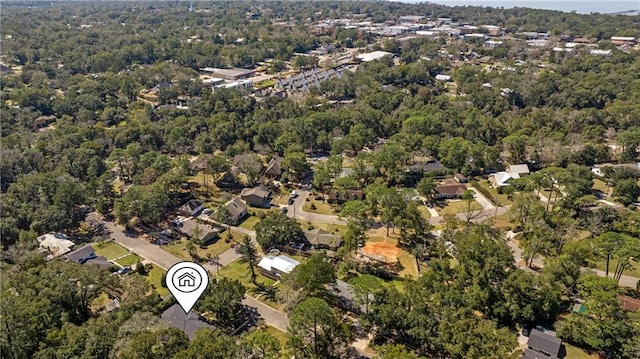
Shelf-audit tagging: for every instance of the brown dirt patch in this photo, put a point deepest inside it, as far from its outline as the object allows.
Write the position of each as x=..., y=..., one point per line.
x=389, y=250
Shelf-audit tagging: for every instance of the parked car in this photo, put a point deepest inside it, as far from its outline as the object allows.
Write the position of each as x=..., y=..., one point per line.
x=84, y=259
x=291, y=201
x=294, y=194
x=284, y=210
x=206, y=211
x=526, y=330
x=124, y=270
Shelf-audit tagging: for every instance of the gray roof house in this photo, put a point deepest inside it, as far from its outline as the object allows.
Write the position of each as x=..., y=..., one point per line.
x=256, y=197
x=238, y=210
x=320, y=238
x=192, y=208
x=87, y=256
x=542, y=345
x=175, y=317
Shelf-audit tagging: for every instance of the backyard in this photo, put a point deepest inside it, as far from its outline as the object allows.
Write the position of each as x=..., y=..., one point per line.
x=154, y=278
x=179, y=248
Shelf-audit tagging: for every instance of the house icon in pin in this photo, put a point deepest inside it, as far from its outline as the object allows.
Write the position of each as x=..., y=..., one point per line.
x=187, y=280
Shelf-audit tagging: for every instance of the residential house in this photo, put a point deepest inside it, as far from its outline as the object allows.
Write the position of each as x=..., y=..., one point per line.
x=44, y=121
x=238, y=210
x=87, y=256
x=501, y=179
x=192, y=208
x=449, y=191
x=542, y=345
x=425, y=167
x=441, y=77
x=346, y=297
x=274, y=168
x=175, y=317
x=521, y=169
x=256, y=197
x=54, y=245
x=321, y=239
x=275, y=266
x=629, y=303
x=460, y=178
x=341, y=196
x=233, y=74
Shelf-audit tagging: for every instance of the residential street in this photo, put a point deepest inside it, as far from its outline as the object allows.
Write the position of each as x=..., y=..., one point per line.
x=165, y=260
x=296, y=211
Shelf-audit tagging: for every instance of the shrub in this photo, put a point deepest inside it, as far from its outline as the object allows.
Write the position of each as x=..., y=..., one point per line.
x=313, y=206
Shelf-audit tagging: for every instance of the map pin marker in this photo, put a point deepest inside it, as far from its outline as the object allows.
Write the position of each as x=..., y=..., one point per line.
x=187, y=281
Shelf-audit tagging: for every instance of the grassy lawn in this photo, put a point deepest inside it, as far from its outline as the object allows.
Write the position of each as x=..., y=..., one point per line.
x=329, y=227
x=457, y=206
x=348, y=162
x=154, y=278
x=179, y=248
x=109, y=250
x=502, y=198
x=278, y=334
x=599, y=185
x=577, y=353
x=320, y=207
x=634, y=271
x=240, y=271
x=250, y=223
x=283, y=197
x=408, y=262
x=424, y=211
x=129, y=260
x=265, y=84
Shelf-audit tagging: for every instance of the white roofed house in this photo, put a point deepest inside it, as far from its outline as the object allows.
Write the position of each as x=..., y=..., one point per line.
x=54, y=245
x=275, y=266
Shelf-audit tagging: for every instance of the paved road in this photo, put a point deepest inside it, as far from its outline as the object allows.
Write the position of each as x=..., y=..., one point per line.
x=296, y=211
x=165, y=260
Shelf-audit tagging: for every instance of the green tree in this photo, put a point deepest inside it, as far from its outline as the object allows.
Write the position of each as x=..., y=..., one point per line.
x=262, y=345
x=249, y=255
x=315, y=331
x=277, y=229
x=364, y=287
x=164, y=343
x=394, y=351
x=313, y=275
x=626, y=191
x=426, y=186
x=223, y=299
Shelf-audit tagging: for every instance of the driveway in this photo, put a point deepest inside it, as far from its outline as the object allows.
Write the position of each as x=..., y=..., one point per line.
x=484, y=201
x=295, y=211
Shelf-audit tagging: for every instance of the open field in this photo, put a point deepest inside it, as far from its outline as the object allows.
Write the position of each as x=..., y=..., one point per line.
x=379, y=244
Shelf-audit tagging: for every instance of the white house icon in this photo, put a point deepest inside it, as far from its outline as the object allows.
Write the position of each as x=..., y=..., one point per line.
x=187, y=280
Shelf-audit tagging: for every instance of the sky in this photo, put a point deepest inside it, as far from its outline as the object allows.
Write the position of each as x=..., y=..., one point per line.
x=581, y=7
